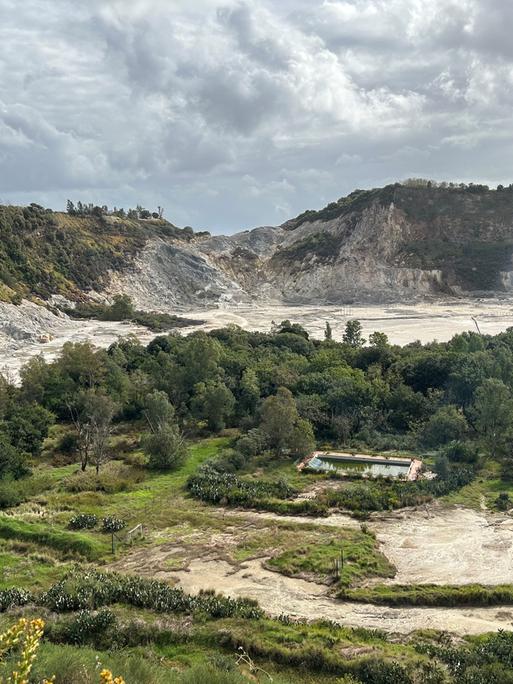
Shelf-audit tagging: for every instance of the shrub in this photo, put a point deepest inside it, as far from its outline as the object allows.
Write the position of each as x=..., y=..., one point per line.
x=503, y=502
x=111, y=524
x=165, y=448
x=68, y=443
x=83, y=521
x=86, y=627
x=390, y=494
x=90, y=590
x=446, y=425
x=115, y=477
x=460, y=452
x=10, y=598
x=9, y=496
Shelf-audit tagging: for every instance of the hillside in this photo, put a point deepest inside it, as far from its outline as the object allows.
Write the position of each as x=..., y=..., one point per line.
x=387, y=244
x=44, y=252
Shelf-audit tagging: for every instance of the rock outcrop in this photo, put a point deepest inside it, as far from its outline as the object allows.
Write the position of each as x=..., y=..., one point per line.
x=392, y=244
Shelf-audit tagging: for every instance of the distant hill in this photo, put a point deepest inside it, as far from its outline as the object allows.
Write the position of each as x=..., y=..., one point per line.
x=395, y=243
x=44, y=252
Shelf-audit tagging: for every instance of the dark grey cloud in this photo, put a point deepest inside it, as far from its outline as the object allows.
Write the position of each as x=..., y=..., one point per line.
x=233, y=113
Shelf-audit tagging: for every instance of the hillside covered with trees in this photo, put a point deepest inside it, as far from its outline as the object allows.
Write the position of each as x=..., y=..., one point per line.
x=44, y=252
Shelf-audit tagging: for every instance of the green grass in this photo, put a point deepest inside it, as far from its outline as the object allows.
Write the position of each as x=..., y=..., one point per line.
x=69, y=543
x=432, y=595
x=174, y=652
x=359, y=551
x=27, y=566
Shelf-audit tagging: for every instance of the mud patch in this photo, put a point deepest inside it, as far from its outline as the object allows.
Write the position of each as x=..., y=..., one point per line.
x=447, y=546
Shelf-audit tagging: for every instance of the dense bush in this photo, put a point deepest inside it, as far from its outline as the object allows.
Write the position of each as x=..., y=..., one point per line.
x=503, y=502
x=166, y=449
x=488, y=660
x=11, y=598
x=382, y=495
x=86, y=627
x=227, y=489
x=460, y=452
x=122, y=309
x=90, y=590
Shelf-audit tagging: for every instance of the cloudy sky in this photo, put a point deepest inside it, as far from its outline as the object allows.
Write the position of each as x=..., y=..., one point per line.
x=237, y=113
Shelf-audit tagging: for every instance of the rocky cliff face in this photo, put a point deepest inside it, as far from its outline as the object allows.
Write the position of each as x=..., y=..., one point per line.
x=389, y=244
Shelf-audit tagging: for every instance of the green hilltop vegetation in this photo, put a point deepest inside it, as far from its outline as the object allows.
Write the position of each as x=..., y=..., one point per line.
x=44, y=252
x=190, y=436
x=465, y=231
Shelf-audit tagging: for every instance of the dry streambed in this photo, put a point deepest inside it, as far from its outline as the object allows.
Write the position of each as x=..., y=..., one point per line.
x=430, y=545
x=433, y=545
x=302, y=599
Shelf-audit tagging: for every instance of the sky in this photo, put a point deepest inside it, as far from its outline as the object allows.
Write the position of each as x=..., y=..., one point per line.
x=237, y=113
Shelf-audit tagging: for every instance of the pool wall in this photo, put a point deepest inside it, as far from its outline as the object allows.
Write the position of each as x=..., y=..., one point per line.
x=409, y=468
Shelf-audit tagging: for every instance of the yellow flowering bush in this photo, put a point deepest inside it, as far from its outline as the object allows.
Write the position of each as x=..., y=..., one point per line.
x=27, y=635
x=106, y=677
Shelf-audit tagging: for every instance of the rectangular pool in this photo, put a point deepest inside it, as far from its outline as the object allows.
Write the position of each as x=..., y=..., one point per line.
x=363, y=464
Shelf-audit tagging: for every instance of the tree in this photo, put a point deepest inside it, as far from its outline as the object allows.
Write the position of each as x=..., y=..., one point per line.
x=159, y=411
x=249, y=391
x=353, y=334
x=92, y=415
x=27, y=426
x=165, y=448
x=444, y=426
x=121, y=309
x=493, y=410
x=101, y=411
x=285, y=431
x=200, y=358
x=81, y=363
x=13, y=463
x=293, y=328
x=328, y=332
x=378, y=339
x=164, y=444
x=213, y=402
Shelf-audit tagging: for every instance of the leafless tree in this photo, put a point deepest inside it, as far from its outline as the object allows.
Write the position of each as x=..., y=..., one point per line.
x=92, y=416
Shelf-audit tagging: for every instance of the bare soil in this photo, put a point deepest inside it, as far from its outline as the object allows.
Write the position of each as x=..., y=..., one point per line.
x=428, y=545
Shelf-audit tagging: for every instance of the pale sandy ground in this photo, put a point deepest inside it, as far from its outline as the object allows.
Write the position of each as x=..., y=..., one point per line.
x=301, y=599
x=431, y=545
x=451, y=546
x=402, y=323
x=100, y=333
